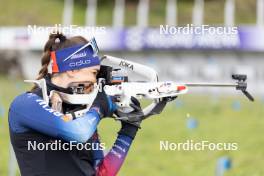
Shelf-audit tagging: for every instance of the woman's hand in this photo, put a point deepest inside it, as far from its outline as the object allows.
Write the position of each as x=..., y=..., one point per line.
x=134, y=117
x=105, y=105
x=130, y=122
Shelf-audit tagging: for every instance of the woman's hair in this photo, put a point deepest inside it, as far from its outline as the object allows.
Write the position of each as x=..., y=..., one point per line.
x=56, y=41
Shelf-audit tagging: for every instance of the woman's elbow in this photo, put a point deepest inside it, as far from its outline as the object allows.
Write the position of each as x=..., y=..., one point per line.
x=82, y=137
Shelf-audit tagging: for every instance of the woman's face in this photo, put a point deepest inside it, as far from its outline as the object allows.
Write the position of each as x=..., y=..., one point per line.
x=86, y=76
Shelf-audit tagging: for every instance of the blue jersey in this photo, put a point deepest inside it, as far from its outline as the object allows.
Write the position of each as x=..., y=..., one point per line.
x=31, y=119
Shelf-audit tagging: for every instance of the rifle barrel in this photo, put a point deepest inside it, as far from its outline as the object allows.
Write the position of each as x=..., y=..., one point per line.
x=211, y=84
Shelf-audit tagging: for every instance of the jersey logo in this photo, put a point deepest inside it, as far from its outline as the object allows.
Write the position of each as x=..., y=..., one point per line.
x=46, y=107
x=29, y=95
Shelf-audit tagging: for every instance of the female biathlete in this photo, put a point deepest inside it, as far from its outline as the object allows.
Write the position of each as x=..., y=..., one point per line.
x=34, y=121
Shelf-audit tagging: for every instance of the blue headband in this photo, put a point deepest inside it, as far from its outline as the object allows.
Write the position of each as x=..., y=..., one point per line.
x=73, y=58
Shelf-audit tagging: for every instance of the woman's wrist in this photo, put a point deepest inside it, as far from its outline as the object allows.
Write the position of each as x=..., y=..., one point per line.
x=128, y=129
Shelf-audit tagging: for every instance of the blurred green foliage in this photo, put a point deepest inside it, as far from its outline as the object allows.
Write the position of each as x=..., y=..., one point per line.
x=48, y=12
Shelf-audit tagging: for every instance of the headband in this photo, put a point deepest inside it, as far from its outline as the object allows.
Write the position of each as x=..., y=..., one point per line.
x=75, y=57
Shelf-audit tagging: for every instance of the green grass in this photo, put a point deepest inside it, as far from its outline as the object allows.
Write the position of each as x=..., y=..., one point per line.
x=218, y=122
x=9, y=88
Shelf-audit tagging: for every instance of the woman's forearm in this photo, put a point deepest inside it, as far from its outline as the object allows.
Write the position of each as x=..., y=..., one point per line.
x=113, y=161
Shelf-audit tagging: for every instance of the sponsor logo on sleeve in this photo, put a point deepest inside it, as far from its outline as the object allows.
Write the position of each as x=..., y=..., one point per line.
x=46, y=107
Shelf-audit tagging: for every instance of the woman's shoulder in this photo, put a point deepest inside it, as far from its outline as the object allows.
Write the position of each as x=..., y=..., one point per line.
x=23, y=100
